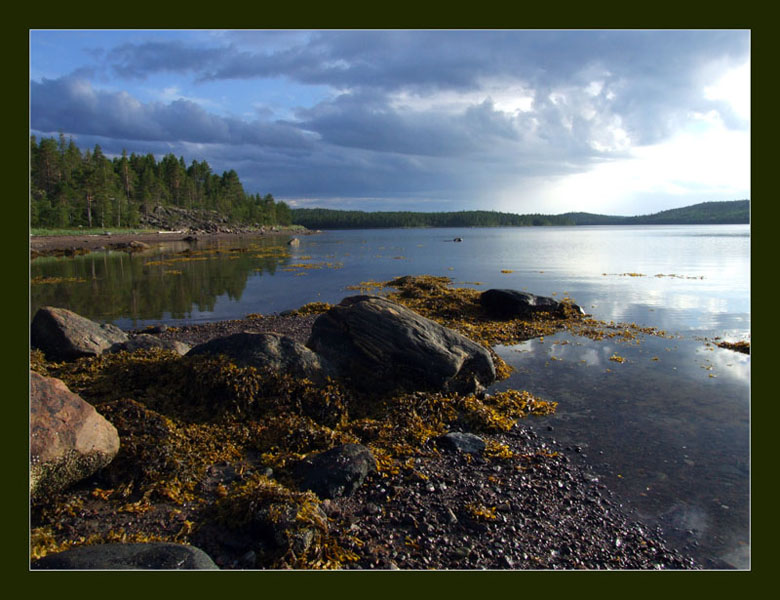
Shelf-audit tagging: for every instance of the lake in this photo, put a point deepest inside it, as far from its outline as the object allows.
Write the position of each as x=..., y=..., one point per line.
x=668, y=429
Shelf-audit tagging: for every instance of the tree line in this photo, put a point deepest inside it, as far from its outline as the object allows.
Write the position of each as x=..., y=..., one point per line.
x=74, y=188
x=729, y=212
x=323, y=218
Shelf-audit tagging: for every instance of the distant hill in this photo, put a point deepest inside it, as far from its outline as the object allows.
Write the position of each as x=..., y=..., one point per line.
x=733, y=212
x=712, y=213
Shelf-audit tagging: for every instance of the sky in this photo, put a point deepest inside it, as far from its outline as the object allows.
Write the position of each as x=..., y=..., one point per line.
x=621, y=122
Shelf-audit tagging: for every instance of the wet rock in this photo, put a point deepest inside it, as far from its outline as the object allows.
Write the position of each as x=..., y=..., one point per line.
x=144, y=341
x=461, y=442
x=151, y=556
x=294, y=242
x=69, y=440
x=131, y=246
x=337, y=472
x=61, y=334
x=268, y=351
x=383, y=346
x=513, y=303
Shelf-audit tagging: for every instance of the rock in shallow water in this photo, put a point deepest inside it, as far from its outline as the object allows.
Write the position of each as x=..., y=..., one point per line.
x=513, y=303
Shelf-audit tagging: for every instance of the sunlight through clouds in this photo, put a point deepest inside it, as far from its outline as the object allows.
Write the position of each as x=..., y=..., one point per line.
x=610, y=122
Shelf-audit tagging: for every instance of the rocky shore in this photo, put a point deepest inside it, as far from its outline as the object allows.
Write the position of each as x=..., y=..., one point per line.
x=59, y=245
x=259, y=467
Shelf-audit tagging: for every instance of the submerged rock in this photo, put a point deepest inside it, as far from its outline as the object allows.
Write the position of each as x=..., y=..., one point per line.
x=337, y=472
x=267, y=351
x=155, y=555
x=63, y=335
x=514, y=303
x=382, y=346
x=69, y=440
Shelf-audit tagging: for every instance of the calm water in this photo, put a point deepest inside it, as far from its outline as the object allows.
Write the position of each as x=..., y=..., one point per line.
x=668, y=429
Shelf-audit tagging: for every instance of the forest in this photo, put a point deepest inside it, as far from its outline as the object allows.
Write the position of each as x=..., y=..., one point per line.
x=736, y=211
x=321, y=218
x=72, y=188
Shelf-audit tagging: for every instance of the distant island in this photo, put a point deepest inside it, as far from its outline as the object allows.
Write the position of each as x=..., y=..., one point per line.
x=705, y=213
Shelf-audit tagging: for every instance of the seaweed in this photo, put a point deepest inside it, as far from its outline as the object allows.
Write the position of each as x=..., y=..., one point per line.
x=206, y=446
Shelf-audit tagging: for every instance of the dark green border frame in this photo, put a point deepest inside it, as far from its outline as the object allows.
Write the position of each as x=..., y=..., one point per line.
x=396, y=15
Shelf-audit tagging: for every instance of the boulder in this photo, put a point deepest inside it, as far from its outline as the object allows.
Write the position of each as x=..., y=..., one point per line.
x=156, y=555
x=294, y=242
x=69, y=440
x=144, y=341
x=337, y=472
x=382, y=346
x=514, y=303
x=63, y=335
x=461, y=442
x=268, y=351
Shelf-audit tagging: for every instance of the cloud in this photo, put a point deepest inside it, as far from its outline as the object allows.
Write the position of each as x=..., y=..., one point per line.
x=75, y=106
x=648, y=77
x=139, y=60
x=438, y=114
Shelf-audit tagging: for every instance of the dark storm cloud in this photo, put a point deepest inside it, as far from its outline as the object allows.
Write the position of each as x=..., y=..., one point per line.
x=385, y=130
x=355, y=122
x=73, y=105
x=139, y=60
x=655, y=75
x=444, y=59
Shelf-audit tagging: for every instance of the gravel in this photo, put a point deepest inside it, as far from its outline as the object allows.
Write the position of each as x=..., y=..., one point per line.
x=534, y=510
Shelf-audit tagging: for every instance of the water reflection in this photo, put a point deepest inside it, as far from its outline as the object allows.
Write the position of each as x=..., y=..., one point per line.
x=668, y=429
x=172, y=281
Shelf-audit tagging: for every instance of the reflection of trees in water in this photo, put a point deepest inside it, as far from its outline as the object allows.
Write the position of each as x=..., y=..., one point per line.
x=110, y=285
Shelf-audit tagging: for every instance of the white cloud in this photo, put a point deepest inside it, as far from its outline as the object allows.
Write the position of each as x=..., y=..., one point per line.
x=733, y=87
x=706, y=161
x=510, y=97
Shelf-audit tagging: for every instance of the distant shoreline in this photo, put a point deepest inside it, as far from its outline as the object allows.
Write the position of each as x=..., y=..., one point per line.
x=734, y=212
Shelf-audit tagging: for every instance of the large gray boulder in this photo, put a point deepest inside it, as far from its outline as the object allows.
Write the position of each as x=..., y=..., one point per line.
x=382, y=346
x=337, y=472
x=69, y=440
x=272, y=351
x=63, y=335
x=514, y=303
x=157, y=555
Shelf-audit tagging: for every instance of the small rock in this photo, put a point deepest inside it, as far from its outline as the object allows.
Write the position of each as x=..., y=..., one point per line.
x=336, y=472
x=461, y=442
